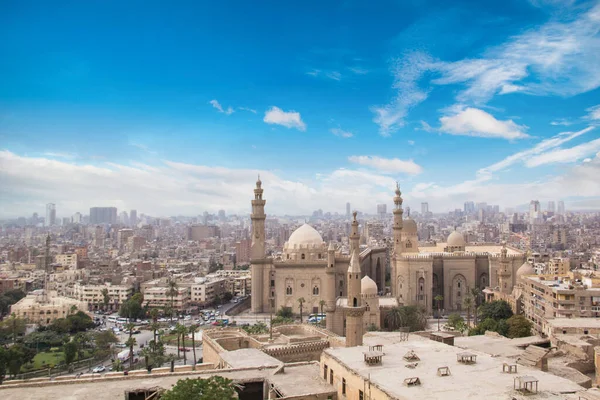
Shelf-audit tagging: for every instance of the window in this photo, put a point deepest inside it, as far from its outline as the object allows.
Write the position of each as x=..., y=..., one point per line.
x=288, y=291
x=361, y=395
x=459, y=284
x=355, y=302
x=316, y=291
x=303, y=256
x=319, y=255
x=331, y=377
x=343, y=386
x=325, y=371
x=272, y=282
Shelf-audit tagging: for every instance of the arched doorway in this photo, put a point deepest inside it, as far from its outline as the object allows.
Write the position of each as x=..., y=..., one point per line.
x=459, y=289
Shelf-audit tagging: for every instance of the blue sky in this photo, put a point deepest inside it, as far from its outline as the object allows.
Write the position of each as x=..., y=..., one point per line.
x=174, y=108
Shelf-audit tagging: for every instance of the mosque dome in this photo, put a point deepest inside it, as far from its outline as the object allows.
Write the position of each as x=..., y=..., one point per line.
x=409, y=226
x=305, y=236
x=456, y=239
x=526, y=269
x=368, y=286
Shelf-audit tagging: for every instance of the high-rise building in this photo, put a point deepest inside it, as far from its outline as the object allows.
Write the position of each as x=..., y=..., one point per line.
x=124, y=218
x=222, y=215
x=534, y=211
x=561, y=207
x=133, y=218
x=50, y=214
x=381, y=210
x=424, y=208
x=76, y=218
x=469, y=207
x=348, y=210
x=551, y=207
x=103, y=215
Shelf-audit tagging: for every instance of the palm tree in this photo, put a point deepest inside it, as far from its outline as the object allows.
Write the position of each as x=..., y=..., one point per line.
x=181, y=331
x=468, y=303
x=322, y=304
x=301, y=302
x=105, y=298
x=476, y=293
x=439, y=298
x=131, y=342
x=172, y=292
x=193, y=329
x=394, y=318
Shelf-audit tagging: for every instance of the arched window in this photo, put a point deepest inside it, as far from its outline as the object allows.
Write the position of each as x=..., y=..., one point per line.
x=288, y=290
x=408, y=244
x=355, y=302
x=303, y=256
x=315, y=290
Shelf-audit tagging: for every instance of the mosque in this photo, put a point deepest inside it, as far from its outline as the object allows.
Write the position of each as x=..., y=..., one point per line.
x=351, y=286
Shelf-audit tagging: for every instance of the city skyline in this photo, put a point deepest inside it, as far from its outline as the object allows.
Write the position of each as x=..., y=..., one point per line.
x=329, y=107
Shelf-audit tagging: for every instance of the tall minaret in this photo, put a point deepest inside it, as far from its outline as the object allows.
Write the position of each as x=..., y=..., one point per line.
x=47, y=262
x=397, y=229
x=257, y=249
x=329, y=294
x=354, y=235
x=503, y=271
x=354, y=309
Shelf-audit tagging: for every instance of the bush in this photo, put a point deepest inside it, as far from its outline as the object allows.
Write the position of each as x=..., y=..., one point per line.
x=518, y=326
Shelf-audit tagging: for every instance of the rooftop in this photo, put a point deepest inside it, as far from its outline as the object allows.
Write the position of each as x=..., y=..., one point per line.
x=459, y=385
x=249, y=358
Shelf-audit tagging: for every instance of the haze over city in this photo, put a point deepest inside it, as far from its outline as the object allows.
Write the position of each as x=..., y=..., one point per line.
x=177, y=110
x=309, y=200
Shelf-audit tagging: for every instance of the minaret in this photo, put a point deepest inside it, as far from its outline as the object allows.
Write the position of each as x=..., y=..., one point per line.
x=47, y=262
x=257, y=249
x=354, y=235
x=329, y=294
x=354, y=308
x=397, y=230
x=503, y=271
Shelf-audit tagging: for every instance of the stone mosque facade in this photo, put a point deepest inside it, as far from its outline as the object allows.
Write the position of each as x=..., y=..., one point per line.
x=352, y=286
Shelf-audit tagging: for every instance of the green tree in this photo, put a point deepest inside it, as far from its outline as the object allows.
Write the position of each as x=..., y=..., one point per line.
x=519, y=326
x=18, y=355
x=172, y=292
x=281, y=321
x=455, y=320
x=301, y=302
x=488, y=324
x=322, y=305
x=70, y=351
x=477, y=294
x=104, y=341
x=468, y=304
x=130, y=343
x=213, y=388
x=439, y=298
x=193, y=329
x=393, y=318
x=105, y=298
x=4, y=359
x=496, y=310
x=181, y=331
x=227, y=296
x=12, y=327
x=285, y=312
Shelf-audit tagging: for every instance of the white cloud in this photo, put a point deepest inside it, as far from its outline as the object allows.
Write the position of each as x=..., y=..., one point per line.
x=411, y=142
x=142, y=147
x=247, y=109
x=569, y=155
x=173, y=188
x=562, y=122
x=540, y=148
x=407, y=72
x=358, y=70
x=290, y=119
x=475, y=122
x=593, y=113
x=314, y=72
x=219, y=107
x=68, y=156
x=387, y=165
x=335, y=75
x=341, y=133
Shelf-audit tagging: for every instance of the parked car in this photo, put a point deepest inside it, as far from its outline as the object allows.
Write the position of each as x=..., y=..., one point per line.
x=184, y=349
x=98, y=369
x=121, y=345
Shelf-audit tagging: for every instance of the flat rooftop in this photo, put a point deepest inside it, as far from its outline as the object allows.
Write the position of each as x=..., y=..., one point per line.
x=484, y=248
x=497, y=345
x=560, y=284
x=481, y=380
x=574, y=322
x=249, y=358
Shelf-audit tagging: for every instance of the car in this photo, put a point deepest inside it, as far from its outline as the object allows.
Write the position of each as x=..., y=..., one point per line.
x=136, y=332
x=184, y=349
x=121, y=345
x=98, y=369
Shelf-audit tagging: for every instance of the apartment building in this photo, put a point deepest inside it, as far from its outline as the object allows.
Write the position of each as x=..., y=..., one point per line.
x=93, y=297
x=68, y=260
x=549, y=297
x=159, y=296
x=208, y=290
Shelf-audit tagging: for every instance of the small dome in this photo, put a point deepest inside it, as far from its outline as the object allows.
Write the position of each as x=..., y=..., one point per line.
x=306, y=235
x=409, y=226
x=456, y=239
x=526, y=269
x=368, y=286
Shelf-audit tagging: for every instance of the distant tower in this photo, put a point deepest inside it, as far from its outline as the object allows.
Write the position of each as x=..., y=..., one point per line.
x=354, y=309
x=133, y=218
x=348, y=210
x=329, y=287
x=354, y=235
x=50, y=214
x=257, y=249
x=397, y=229
x=504, y=272
x=47, y=262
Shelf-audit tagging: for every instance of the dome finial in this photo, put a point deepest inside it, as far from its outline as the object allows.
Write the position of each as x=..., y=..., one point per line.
x=354, y=214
